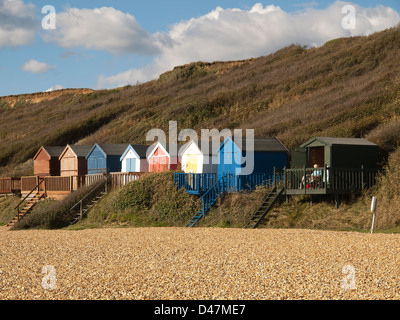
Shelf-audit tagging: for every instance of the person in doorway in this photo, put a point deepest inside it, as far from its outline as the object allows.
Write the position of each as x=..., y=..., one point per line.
x=316, y=176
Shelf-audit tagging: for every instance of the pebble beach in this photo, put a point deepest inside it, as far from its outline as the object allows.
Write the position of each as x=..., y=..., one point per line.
x=198, y=263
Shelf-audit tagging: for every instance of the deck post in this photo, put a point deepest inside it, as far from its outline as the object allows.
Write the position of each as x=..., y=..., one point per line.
x=362, y=178
x=284, y=180
x=274, y=177
x=337, y=201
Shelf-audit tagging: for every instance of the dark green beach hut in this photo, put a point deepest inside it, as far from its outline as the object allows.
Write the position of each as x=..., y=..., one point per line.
x=336, y=153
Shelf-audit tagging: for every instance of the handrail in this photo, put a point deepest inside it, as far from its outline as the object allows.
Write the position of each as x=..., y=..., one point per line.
x=92, y=191
x=36, y=187
x=26, y=197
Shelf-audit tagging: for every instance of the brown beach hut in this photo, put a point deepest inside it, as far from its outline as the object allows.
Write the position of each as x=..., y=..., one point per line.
x=46, y=161
x=73, y=160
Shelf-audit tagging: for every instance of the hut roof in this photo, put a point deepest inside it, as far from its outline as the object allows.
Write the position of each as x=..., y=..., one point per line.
x=140, y=149
x=167, y=147
x=206, y=147
x=80, y=151
x=52, y=151
x=261, y=144
x=340, y=141
x=113, y=149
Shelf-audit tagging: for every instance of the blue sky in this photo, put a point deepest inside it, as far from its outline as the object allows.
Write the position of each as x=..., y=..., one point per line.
x=105, y=44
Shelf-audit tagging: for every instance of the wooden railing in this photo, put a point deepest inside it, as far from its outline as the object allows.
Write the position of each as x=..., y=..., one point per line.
x=94, y=192
x=72, y=183
x=36, y=188
x=119, y=179
x=10, y=185
x=327, y=180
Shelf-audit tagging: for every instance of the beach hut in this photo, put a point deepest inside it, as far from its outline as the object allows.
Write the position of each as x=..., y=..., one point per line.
x=245, y=157
x=164, y=157
x=73, y=160
x=46, y=161
x=199, y=157
x=336, y=152
x=105, y=158
x=134, y=159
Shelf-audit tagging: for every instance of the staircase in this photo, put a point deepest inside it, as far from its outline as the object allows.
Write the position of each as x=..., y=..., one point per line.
x=265, y=207
x=83, y=206
x=29, y=202
x=215, y=192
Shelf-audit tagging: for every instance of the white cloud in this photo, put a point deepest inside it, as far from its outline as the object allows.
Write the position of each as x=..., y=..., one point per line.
x=231, y=34
x=34, y=66
x=54, y=88
x=102, y=29
x=18, y=24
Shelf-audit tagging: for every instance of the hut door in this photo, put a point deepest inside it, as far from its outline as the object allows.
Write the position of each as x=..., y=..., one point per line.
x=131, y=165
x=191, y=165
x=316, y=155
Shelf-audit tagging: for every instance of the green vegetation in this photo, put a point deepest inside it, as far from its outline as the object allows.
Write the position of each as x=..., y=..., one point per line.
x=348, y=87
x=52, y=214
x=7, y=211
x=151, y=201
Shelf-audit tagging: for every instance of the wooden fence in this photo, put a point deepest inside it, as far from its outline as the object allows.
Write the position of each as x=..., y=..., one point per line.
x=10, y=185
x=119, y=179
x=65, y=185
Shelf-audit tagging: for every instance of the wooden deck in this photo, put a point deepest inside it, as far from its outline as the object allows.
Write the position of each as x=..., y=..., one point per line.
x=60, y=187
x=334, y=181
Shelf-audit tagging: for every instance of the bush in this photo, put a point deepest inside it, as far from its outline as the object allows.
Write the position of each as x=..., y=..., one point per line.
x=151, y=200
x=51, y=214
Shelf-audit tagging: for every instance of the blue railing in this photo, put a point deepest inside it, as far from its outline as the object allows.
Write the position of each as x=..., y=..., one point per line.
x=195, y=183
x=200, y=183
x=232, y=183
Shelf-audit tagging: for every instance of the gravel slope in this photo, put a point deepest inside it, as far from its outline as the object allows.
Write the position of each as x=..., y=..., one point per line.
x=179, y=263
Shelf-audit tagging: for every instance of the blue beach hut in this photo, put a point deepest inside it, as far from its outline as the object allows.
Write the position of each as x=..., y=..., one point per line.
x=105, y=158
x=243, y=157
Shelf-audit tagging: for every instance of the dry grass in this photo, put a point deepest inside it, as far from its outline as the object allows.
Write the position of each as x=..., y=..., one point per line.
x=349, y=87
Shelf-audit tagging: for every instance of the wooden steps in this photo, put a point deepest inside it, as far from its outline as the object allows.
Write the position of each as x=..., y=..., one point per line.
x=86, y=208
x=89, y=200
x=26, y=209
x=265, y=208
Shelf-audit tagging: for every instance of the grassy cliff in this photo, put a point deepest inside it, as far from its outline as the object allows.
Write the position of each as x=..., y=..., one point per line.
x=349, y=87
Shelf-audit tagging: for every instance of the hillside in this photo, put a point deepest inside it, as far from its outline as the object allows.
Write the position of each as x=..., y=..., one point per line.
x=37, y=97
x=348, y=87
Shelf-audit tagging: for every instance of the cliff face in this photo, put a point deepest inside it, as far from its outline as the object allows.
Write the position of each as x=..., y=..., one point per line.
x=41, y=96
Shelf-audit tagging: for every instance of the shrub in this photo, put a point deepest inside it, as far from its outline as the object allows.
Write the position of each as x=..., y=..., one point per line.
x=153, y=199
x=52, y=214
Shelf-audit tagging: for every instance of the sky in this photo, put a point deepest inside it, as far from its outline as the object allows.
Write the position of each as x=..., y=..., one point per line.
x=105, y=44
